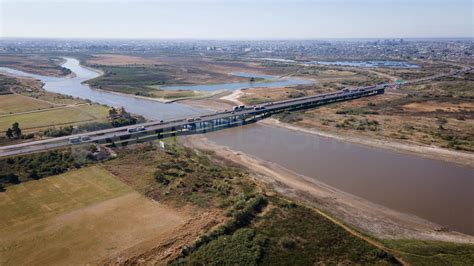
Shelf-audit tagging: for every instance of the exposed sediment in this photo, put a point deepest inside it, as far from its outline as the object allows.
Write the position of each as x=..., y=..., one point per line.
x=359, y=213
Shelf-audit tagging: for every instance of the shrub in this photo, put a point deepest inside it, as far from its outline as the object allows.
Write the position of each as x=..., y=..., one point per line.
x=58, y=132
x=36, y=166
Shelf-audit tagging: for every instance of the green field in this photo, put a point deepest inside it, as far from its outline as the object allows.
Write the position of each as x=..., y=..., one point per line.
x=141, y=79
x=35, y=121
x=131, y=80
x=419, y=252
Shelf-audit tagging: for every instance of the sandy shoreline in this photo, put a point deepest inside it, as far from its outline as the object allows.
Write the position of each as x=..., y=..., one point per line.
x=359, y=213
x=234, y=97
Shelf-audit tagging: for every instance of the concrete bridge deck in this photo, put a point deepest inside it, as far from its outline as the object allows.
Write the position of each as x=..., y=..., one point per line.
x=201, y=124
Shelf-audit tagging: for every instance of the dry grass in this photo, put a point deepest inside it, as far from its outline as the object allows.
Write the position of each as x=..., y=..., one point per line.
x=178, y=94
x=35, y=121
x=433, y=106
x=120, y=60
x=79, y=217
x=424, y=122
x=16, y=103
x=260, y=95
x=33, y=88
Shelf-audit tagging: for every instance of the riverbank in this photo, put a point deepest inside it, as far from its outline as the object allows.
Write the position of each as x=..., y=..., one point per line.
x=234, y=97
x=425, y=151
x=359, y=213
x=458, y=157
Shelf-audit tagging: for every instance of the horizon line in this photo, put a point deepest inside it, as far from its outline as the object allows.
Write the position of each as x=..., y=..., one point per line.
x=235, y=39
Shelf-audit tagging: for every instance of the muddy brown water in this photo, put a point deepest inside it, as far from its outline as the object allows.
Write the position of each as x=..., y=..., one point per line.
x=434, y=190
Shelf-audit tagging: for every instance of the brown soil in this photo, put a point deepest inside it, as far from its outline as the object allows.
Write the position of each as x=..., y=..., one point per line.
x=214, y=104
x=432, y=106
x=96, y=231
x=396, y=118
x=168, y=246
x=368, y=217
x=270, y=94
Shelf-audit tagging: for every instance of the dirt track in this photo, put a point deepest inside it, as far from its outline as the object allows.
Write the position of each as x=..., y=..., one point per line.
x=361, y=214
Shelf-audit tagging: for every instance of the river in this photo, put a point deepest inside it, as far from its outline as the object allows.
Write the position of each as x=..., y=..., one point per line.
x=435, y=190
x=74, y=86
x=350, y=63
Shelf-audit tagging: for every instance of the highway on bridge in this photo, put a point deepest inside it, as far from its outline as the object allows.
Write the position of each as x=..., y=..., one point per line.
x=204, y=123
x=191, y=125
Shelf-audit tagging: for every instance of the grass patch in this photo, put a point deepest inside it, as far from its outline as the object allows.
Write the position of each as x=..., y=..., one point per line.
x=12, y=103
x=244, y=247
x=177, y=94
x=132, y=79
x=14, y=170
x=38, y=64
x=180, y=176
x=253, y=100
x=455, y=89
x=418, y=252
x=360, y=124
x=77, y=218
x=356, y=111
x=33, y=201
x=288, y=234
x=290, y=116
x=136, y=80
x=33, y=122
x=6, y=83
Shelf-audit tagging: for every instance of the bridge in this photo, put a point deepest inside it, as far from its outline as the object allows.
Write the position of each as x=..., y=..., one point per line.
x=202, y=124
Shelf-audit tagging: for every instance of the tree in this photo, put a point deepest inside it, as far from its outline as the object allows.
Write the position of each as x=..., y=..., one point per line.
x=9, y=133
x=16, y=130
x=112, y=112
x=34, y=175
x=9, y=179
x=122, y=111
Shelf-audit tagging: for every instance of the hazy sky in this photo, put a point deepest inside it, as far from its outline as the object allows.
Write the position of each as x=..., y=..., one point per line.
x=234, y=19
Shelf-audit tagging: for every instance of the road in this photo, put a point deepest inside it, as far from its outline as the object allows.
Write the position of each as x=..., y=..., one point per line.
x=208, y=120
x=106, y=135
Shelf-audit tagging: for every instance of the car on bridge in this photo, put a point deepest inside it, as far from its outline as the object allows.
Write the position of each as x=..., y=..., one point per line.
x=78, y=140
x=136, y=129
x=239, y=108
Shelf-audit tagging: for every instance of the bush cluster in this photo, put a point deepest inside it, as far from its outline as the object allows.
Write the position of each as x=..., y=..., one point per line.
x=14, y=170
